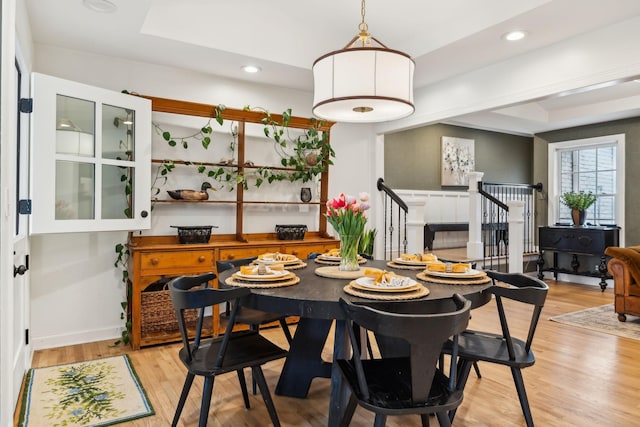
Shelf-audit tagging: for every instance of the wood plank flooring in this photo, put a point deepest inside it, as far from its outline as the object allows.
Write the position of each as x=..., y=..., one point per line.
x=581, y=378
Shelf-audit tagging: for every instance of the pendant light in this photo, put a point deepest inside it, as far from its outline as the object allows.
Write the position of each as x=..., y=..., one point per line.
x=364, y=82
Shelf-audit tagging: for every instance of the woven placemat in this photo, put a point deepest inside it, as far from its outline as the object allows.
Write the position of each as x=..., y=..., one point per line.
x=297, y=266
x=405, y=266
x=334, y=272
x=445, y=281
x=386, y=296
x=328, y=262
x=232, y=281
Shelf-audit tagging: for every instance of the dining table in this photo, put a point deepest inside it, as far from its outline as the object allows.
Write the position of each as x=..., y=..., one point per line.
x=315, y=300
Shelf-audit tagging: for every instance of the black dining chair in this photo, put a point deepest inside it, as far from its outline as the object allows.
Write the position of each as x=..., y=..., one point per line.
x=249, y=316
x=231, y=352
x=409, y=384
x=504, y=349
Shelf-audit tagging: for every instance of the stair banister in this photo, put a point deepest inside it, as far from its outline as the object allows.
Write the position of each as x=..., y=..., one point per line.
x=475, y=247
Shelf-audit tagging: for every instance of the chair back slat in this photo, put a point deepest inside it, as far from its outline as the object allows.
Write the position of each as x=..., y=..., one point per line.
x=521, y=288
x=184, y=296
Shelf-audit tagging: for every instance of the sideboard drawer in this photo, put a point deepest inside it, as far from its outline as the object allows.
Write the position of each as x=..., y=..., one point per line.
x=238, y=253
x=176, y=261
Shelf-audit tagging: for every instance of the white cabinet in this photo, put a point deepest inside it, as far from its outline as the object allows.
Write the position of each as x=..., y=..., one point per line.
x=90, y=158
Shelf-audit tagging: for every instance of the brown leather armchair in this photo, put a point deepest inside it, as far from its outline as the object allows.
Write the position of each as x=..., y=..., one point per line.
x=626, y=288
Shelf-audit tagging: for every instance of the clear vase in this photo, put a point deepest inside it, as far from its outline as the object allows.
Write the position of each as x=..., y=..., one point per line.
x=349, y=252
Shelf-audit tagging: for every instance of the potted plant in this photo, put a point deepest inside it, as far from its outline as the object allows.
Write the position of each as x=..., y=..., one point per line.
x=578, y=202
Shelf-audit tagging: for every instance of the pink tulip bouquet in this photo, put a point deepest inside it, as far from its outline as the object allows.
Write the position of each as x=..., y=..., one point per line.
x=347, y=215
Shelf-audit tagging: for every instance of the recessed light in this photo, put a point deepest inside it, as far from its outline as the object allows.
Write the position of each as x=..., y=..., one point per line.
x=102, y=6
x=513, y=36
x=251, y=68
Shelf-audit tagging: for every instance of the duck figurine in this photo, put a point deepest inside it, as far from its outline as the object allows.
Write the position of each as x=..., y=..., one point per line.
x=192, y=194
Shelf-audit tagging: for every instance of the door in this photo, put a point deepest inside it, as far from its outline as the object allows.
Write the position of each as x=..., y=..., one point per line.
x=21, y=352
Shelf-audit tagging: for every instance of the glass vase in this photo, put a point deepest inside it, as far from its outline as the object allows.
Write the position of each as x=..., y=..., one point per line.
x=349, y=252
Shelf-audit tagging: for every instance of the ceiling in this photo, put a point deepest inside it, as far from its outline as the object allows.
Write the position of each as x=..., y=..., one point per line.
x=284, y=37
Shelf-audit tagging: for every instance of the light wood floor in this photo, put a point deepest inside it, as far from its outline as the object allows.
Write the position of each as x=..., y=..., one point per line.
x=581, y=378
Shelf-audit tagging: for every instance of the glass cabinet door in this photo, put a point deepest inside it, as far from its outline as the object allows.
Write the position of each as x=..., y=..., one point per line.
x=91, y=153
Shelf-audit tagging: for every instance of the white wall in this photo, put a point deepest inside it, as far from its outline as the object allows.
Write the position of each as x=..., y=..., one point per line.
x=76, y=291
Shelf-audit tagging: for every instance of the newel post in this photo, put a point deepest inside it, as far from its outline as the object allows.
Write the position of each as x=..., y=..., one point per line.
x=475, y=248
x=415, y=225
x=516, y=235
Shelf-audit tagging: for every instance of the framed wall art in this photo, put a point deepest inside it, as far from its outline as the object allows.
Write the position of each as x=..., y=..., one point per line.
x=458, y=159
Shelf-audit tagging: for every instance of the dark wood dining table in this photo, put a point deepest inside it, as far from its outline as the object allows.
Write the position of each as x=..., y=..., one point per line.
x=315, y=300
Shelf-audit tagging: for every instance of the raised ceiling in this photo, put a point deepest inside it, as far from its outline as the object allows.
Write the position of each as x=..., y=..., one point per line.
x=284, y=37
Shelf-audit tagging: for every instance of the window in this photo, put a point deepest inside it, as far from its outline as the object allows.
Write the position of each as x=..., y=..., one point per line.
x=591, y=165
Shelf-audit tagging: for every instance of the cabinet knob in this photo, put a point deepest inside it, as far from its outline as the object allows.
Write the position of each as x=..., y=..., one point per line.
x=201, y=258
x=154, y=261
x=231, y=256
x=294, y=253
x=144, y=214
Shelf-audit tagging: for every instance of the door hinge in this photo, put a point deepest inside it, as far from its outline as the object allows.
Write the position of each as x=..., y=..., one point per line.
x=26, y=337
x=25, y=105
x=24, y=206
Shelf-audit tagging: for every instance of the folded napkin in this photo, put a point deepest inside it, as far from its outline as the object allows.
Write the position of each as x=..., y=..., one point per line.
x=385, y=278
x=332, y=252
x=460, y=267
x=419, y=257
x=254, y=269
x=437, y=266
x=277, y=256
x=248, y=269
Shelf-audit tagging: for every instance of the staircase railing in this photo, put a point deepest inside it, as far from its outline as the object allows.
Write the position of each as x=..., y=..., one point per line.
x=395, y=216
x=495, y=213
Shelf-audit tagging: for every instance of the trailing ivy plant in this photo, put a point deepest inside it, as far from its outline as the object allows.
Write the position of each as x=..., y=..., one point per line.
x=122, y=258
x=308, y=154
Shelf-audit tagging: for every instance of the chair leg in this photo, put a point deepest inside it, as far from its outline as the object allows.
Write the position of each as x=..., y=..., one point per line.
x=477, y=369
x=207, y=390
x=464, y=368
x=425, y=420
x=380, y=421
x=443, y=419
x=522, y=395
x=285, y=330
x=347, y=415
x=243, y=388
x=258, y=376
x=183, y=398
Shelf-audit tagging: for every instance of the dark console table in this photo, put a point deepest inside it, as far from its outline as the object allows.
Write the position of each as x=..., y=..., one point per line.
x=589, y=241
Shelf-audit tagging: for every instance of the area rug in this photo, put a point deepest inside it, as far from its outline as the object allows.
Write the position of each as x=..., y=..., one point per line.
x=98, y=392
x=602, y=319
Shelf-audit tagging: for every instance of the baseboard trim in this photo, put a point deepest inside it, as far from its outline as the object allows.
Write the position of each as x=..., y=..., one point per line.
x=43, y=343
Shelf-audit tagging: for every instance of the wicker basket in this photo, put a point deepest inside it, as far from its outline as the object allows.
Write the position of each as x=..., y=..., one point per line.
x=189, y=234
x=158, y=315
x=291, y=232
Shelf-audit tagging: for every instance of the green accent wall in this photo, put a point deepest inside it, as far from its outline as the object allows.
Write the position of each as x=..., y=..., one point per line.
x=631, y=129
x=412, y=158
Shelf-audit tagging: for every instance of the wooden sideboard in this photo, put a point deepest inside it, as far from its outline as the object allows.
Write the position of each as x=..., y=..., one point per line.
x=153, y=258
x=577, y=241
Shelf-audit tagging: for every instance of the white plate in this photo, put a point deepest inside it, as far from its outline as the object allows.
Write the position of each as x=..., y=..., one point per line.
x=367, y=283
x=329, y=257
x=408, y=262
x=468, y=274
x=270, y=275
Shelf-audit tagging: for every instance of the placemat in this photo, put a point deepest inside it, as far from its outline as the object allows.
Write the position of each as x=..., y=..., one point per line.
x=263, y=278
x=232, y=281
x=405, y=266
x=297, y=266
x=328, y=262
x=386, y=296
x=444, y=281
x=334, y=272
